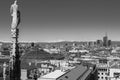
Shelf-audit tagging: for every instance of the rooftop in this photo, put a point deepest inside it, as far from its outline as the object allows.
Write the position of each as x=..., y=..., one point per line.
x=79, y=72
x=114, y=64
x=86, y=74
x=53, y=75
x=76, y=73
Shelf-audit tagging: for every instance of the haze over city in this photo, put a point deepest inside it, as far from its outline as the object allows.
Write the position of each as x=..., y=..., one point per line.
x=51, y=20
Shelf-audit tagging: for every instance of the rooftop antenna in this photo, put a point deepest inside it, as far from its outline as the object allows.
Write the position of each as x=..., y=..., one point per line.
x=106, y=34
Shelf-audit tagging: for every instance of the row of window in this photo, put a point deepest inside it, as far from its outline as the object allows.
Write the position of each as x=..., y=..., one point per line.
x=102, y=73
x=102, y=77
x=102, y=69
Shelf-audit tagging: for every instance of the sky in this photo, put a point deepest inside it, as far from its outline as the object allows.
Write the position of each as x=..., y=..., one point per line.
x=62, y=20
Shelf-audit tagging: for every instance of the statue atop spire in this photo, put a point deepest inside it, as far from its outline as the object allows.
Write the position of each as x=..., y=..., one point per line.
x=15, y=13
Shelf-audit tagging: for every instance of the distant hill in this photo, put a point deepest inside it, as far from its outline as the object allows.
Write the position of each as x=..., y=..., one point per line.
x=43, y=44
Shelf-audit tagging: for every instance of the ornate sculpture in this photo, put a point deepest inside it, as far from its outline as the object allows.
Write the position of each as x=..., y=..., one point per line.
x=15, y=13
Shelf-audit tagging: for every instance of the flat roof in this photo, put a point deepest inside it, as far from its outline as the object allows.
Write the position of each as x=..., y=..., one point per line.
x=75, y=73
x=85, y=75
x=54, y=75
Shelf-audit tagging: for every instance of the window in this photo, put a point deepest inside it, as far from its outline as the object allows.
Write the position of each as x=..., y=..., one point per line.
x=102, y=77
x=102, y=73
x=105, y=69
x=106, y=78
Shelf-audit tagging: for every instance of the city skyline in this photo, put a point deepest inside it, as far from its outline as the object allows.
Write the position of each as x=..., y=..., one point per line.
x=51, y=20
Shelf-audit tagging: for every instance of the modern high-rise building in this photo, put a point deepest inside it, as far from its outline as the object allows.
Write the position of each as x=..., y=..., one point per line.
x=99, y=42
x=105, y=41
x=109, y=43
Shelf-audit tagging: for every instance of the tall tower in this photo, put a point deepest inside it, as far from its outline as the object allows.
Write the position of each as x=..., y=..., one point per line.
x=105, y=40
x=15, y=71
